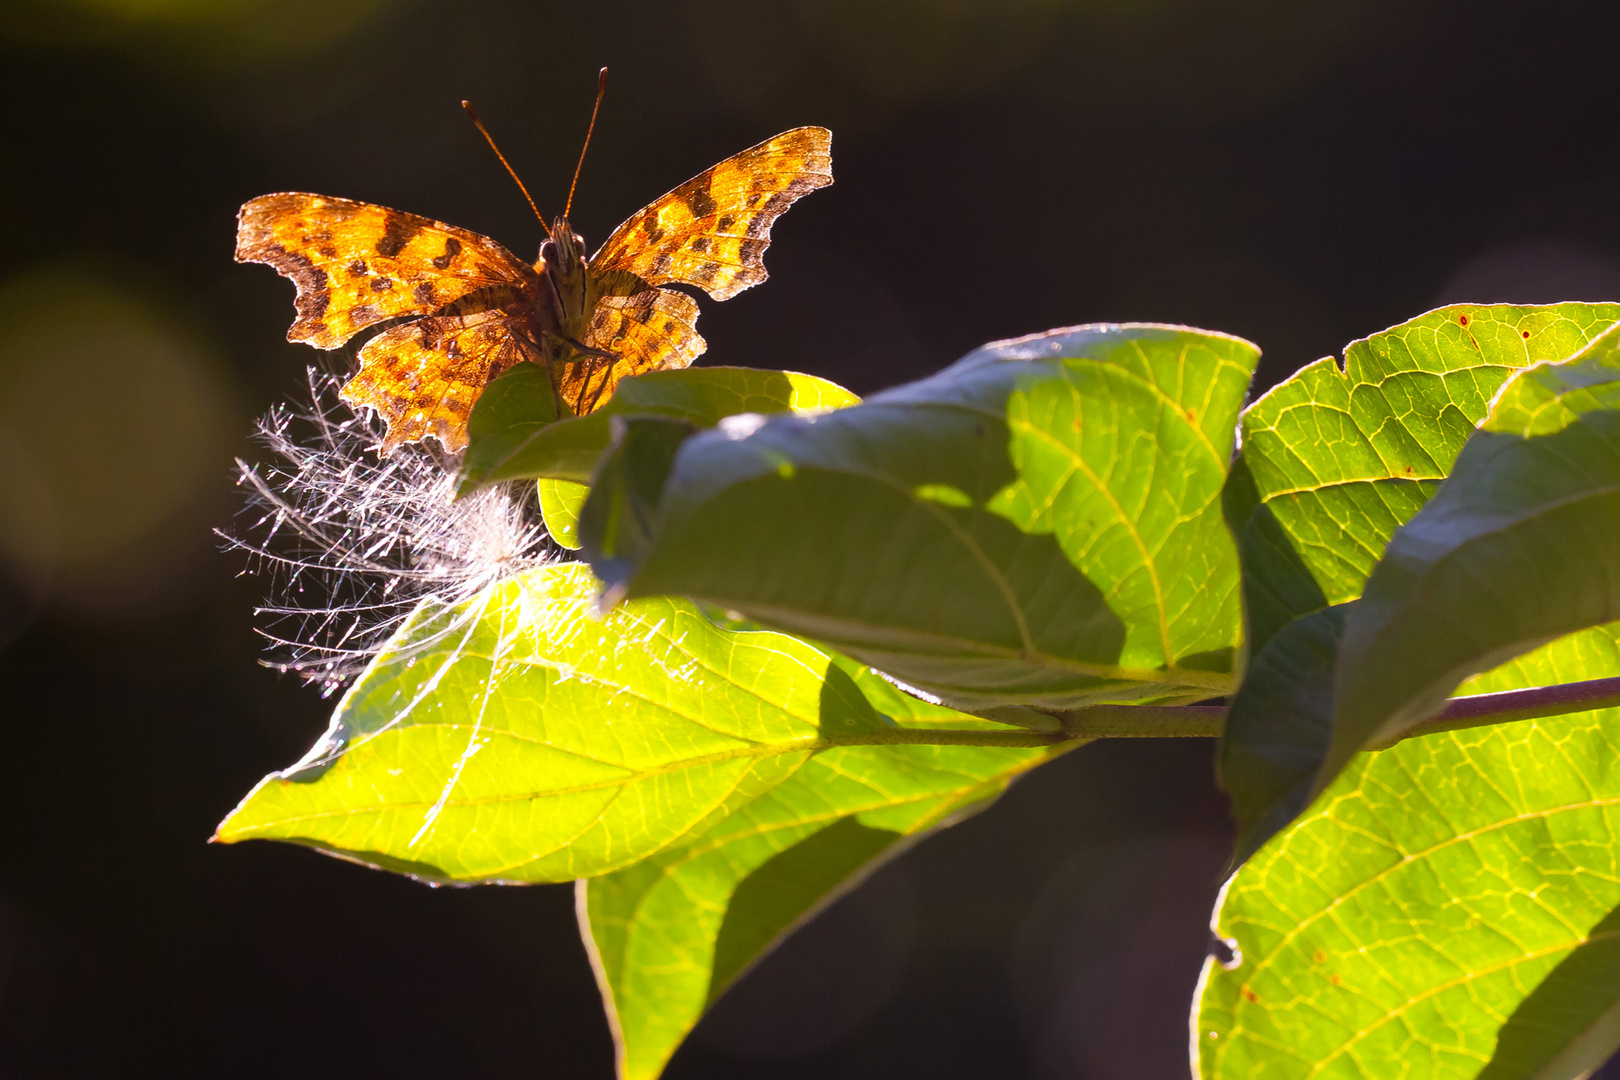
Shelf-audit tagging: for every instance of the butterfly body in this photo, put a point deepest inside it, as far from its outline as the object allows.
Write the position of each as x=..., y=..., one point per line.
x=457, y=308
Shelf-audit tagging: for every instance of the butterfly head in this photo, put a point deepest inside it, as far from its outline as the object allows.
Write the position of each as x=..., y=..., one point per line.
x=564, y=253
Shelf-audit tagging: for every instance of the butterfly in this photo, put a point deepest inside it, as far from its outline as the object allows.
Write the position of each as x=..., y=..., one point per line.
x=458, y=309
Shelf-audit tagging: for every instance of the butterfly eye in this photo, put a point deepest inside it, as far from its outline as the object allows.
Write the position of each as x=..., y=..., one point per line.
x=548, y=251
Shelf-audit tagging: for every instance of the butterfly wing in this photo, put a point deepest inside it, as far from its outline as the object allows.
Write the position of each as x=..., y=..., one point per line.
x=356, y=264
x=423, y=377
x=651, y=330
x=712, y=231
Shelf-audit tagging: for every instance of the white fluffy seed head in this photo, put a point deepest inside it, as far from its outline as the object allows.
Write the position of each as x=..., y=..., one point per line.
x=352, y=543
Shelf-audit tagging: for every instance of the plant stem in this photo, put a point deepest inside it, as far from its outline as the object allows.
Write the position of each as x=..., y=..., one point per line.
x=1206, y=721
x=1478, y=710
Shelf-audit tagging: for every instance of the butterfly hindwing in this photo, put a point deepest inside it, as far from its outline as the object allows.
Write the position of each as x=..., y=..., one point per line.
x=650, y=331
x=712, y=231
x=423, y=377
x=357, y=264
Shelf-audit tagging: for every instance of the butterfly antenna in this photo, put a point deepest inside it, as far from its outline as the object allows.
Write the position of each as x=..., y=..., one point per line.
x=482, y=130
x=601, y=85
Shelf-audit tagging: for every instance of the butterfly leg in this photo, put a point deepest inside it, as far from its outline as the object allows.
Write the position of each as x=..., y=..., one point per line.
x=584, y=351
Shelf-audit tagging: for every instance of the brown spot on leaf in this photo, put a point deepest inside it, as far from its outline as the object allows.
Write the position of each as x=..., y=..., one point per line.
x=1463, y=320
x=1335, y=980
x=1525, y=333
x=1250, y=996
x=1319, y=956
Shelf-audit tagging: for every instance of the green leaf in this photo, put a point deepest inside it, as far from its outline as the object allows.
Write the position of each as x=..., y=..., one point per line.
x=1278, y=727
x=1332, y=463
x=519, y=737
x=670, y=934
x=1449, y=907
x=1038, y=523
x=515, y=433
x=560, y=503
x=1516, y=549
x=620, y=516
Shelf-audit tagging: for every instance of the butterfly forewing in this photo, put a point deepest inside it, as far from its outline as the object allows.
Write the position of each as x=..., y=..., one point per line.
x=712, y=231
x=356, y=264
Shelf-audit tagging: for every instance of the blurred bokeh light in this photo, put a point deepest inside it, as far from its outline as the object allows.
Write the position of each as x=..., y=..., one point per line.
x=117, y=418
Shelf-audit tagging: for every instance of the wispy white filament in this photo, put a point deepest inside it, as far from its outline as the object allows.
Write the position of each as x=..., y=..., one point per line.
x=353, y=543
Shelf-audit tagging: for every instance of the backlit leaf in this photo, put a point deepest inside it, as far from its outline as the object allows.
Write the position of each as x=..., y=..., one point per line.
x=1519, y=547
x=670, y=934
x=1038, y=523
x=515, y=433
x=1448, y=908
x=519, y=737
x=1332, y=462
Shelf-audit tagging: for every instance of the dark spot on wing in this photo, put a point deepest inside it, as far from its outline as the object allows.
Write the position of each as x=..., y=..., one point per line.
x=381, y=284
x=397, y=232
x=452, y=248
x=700, y=201
x=650, y=226
x=363, y=315
x=750, y=251
x=358, y=268
x=705, y=273
x=779, y=201
x=424, y=293
x=725, y=223
x=660, y=265
x=700, y=245
x=312, y=282
x=329, y=251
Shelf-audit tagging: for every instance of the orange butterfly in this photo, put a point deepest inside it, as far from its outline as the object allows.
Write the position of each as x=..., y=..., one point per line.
x=462, y=309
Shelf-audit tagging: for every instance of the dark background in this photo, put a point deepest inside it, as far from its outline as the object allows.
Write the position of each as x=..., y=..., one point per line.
x=1298, y=173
